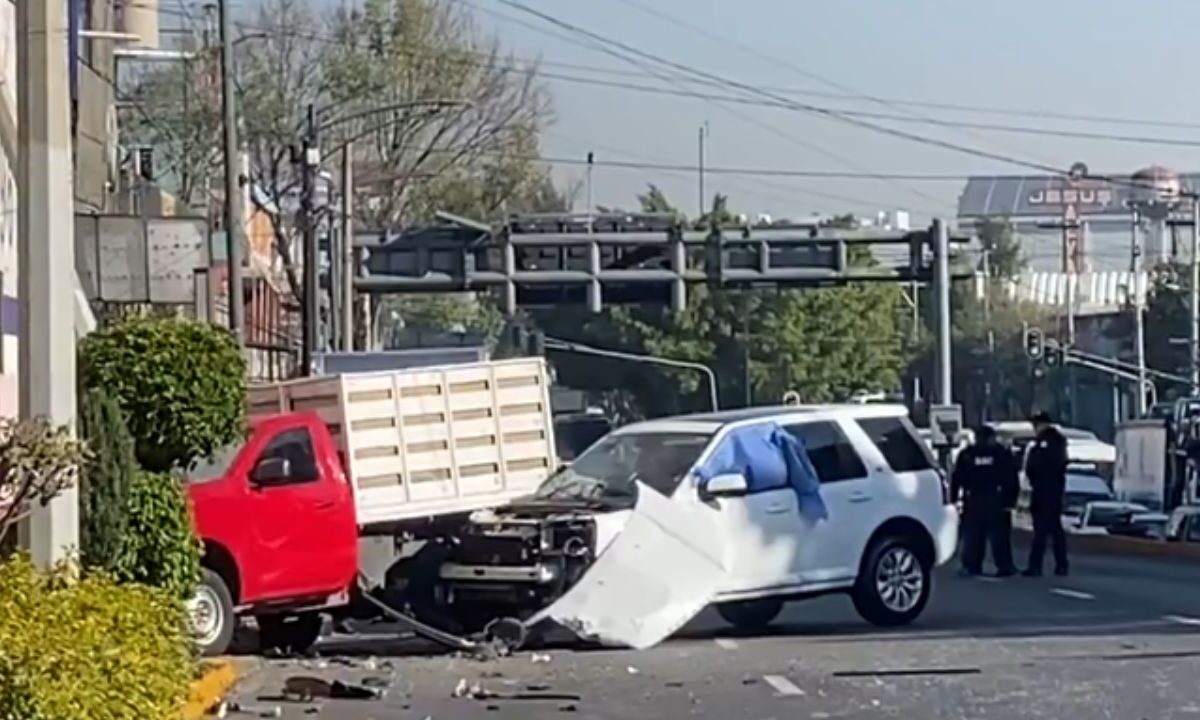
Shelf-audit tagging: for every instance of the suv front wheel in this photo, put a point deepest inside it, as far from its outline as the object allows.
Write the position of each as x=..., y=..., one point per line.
x=750, y=614
x=894, y=583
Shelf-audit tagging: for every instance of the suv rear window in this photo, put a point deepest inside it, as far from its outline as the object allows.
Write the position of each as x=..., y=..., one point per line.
x=903, y=452
x=832, y=455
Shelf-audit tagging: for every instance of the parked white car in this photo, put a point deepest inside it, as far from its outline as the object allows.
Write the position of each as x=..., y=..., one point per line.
x=646, y=544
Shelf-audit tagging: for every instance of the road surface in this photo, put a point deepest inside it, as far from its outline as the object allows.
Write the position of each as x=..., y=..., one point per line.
x=1120, y=638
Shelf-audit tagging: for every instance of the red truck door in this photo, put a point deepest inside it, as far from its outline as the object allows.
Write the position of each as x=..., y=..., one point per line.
x=300, y=513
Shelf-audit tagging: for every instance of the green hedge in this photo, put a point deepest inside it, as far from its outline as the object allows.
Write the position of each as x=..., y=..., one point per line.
x=181, y=383
x=106, y=480
x=89, y=649
x=160, y=547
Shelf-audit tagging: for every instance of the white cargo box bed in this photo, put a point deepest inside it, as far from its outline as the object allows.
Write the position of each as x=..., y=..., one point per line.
x=430, y=441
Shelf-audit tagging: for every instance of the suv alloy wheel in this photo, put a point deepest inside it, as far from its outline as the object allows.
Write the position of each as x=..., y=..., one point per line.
x=894, y=582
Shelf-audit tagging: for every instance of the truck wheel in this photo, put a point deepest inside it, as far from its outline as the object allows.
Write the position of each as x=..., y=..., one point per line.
x=894, y=583
x=211, y=612
x=750, y=614
x=289, y=634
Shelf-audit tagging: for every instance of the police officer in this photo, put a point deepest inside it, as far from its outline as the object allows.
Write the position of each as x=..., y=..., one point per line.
x=1046, y=469
x=985, y=476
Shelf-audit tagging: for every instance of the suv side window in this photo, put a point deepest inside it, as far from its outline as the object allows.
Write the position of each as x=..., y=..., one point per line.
x=296, y=447
x=831, y=454
x=903, y=452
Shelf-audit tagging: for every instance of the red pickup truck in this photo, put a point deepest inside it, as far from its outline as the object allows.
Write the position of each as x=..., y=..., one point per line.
x=276, y=516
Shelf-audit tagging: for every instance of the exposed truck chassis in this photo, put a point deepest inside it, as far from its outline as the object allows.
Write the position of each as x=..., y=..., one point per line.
x=477, y=585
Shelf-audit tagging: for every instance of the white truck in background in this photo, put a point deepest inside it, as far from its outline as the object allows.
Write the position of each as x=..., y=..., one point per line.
x=1140, y=473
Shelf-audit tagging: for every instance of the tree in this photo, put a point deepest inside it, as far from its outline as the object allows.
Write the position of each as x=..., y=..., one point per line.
x=826, y=343
x=1006, y=258
x=181, y=385
x=436, y=100
x=106, y=480
x=439, y=117
x=37, y=462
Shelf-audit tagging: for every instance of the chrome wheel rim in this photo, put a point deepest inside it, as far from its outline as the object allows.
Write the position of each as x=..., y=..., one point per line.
x=205, y=611
x=899, y=580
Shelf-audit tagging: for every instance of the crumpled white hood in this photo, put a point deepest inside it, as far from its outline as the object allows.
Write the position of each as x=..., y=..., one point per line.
x=661, y=567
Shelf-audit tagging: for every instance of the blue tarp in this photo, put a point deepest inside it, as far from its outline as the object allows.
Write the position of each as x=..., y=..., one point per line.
x=770, y=458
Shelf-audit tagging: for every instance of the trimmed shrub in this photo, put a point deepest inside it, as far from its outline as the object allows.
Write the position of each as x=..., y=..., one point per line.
x=160, y=548
x=89, y=648
x=106, y=480
x=181, y=384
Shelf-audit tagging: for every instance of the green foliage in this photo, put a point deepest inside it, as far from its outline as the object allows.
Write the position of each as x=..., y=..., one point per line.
x=1006, y=258
x=440, y=313
x=160, y=548
x=827, y=344
x=37, y=462
x=180, y=383
x=89, y=648
x=106, y=480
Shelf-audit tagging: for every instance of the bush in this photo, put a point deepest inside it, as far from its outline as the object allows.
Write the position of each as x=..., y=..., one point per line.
x=160, y=548
x=180, y=383
x=37, y=462
x=89, y=648
x=106, y=481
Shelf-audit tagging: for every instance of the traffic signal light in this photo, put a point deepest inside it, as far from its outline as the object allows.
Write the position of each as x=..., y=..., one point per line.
x=1053, y=355
x=1035, y=343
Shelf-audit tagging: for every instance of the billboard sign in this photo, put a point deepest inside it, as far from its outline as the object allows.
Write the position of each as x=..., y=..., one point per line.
x=130, y=259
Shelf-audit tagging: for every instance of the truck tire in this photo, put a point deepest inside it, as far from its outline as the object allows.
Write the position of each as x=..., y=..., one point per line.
x=289, y=634
x=211, y=613
x=894, y=583
x=750, y=614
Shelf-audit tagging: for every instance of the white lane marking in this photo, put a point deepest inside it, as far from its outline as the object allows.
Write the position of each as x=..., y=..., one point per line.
x=782, y=685
x=726, y=643
x=1074, y=594
x=1182, y=619
x=988, y=579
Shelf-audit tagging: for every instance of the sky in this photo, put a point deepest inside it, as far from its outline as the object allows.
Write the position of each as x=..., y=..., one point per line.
x=1027, y=58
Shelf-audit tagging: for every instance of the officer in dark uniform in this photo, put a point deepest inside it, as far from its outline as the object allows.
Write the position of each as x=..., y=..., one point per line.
x=1046, y=469
x=985, y=476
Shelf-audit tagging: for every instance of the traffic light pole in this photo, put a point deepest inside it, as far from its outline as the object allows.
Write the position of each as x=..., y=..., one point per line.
x=310, y=162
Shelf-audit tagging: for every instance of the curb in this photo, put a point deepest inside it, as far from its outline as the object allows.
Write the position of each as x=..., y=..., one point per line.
x=208, y=689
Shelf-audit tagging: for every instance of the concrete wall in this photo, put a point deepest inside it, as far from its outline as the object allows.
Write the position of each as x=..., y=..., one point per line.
x=9, y=311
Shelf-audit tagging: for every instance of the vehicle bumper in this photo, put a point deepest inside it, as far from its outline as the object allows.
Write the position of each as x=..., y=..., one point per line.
x=945, y=534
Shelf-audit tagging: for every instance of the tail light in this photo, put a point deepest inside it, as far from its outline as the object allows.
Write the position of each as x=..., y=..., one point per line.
x=944, y=482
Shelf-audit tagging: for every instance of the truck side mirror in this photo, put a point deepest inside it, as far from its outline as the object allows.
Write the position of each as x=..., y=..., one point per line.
x=271, y=471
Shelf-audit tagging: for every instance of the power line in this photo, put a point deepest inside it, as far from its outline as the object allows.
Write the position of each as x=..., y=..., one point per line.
x=605, y=46
x=816, y=109
x=527, y=64
x=996, y=127
x=775, y=61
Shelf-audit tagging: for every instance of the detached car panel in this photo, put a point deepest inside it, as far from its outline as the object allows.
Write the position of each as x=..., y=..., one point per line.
x=663, y=568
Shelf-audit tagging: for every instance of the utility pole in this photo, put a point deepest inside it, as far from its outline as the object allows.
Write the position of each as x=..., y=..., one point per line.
x=703, y=136
x=310, y=162
x=989, y=369
x=46, y=247
x=1195, y=297
x=591, y=208
x=233, y=189
x=1138, y=313
x=347, y=287
x=940, y=236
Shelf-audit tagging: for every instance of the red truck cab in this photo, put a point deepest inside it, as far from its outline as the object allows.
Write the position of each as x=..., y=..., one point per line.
x=277, y=520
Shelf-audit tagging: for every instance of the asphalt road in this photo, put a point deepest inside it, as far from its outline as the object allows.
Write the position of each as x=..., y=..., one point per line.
x=1120, y=638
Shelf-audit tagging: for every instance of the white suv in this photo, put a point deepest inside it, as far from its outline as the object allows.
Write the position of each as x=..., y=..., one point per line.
x=890, y=520
x=628, y=543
